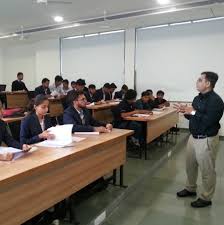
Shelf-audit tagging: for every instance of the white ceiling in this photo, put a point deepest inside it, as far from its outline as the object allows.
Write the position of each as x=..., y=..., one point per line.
x=26, y=13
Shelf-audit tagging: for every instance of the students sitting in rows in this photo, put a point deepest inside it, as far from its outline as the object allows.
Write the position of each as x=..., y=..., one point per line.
x=113, y=87
x=56, y=88
x=19, y=85
x=8, y=139
x=34, y=126
x=124, y=109
x=103, y=93
x=78, y=115
x=143, y=102
x=120, y=94
x=44, y=88
x=90, y=94
x=159, y=101
x=65, y=87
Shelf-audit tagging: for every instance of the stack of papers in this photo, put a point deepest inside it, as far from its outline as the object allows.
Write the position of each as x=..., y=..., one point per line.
x=63, y=136
x=17, y=153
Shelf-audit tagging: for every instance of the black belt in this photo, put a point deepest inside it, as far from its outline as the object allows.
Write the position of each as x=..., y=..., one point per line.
x=199, y=136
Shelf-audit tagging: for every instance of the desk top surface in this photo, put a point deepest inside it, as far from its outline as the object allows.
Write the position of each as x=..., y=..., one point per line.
x=44, y=157
x=155, y=116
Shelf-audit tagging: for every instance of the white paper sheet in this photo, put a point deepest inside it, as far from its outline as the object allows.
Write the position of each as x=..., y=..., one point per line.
x=77, y=139
x=63, y=136
x=17, y=153
x=87, y=133
x=141, y=115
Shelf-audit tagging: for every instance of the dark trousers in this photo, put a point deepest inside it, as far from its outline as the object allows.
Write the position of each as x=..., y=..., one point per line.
x=136, y=126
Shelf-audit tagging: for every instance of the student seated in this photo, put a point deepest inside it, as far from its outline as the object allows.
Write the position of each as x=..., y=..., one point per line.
x=34, y=126
x=143, y=102
x=78, y=115
x=120, y=94
x=56, y=88
x=124, y=109
x=103, y=93
x=159, y=101
x=90, y=94
x=151, y=99
x=8, y=139
x=44, y=88
x=113, y=87
x=19, y=85
x=65, y=87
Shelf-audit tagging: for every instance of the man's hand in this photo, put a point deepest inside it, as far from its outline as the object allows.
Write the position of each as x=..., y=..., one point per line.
x=184, y=108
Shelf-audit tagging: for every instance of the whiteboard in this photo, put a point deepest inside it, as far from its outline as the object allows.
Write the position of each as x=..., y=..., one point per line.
x=172, y=58
x=97, y=59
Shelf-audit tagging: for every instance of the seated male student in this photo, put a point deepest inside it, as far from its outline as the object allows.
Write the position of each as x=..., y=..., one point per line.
x=151, y=99
x=159, y=101
x=120, y=94
x=44, y=88
x=143, y=102
x=124, y=109
x=113, y=87
x=90, y=94
x=65, y=87
x=103, y=93
x=78, y=115
x=56, y=87
x=19, y=85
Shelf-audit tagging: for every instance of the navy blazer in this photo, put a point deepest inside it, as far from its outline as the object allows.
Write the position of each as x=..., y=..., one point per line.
x=119, y=95
x=100, y=96
x=30, y=129
x=89, y=97
x=6, y=137
x=71, y=116
x=42, y=91
x=18, y=86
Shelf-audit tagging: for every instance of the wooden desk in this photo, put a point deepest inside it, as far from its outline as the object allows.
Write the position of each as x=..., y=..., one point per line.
x=12, y=119
x=55, y=107
x=45, y=177
x=16, y=99
x=157, y=124
x=103, y=112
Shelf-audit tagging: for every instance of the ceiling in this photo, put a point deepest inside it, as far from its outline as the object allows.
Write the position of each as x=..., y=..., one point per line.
x=29, y=14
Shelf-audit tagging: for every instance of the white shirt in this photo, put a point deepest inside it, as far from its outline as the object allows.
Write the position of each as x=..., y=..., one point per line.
x=56, y=91
x=65, y=92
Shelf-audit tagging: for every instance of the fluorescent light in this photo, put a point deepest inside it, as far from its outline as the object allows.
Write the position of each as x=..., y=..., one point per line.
x=69, y=26
x=180, y=23
x=208, y=19
x=74, y=37
x=58, y=19
x=154, y=27
x=91, y=35
x=8, y=36
x=112, y=32
x=163, y=2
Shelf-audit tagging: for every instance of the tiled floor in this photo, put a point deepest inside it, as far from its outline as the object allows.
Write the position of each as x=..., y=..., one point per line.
x=151, y=196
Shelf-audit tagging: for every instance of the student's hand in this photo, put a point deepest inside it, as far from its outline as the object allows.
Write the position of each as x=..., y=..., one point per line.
x=46, y=135
x=101, y=129
x=161, y=106
x=7, y=156
x=109, y=127
x=26, y=148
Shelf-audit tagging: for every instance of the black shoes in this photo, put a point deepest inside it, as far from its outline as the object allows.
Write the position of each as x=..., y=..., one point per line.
x=185, y=193
x=200, y=203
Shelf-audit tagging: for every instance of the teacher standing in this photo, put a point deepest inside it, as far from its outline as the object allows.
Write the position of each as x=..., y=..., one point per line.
x=204, y=116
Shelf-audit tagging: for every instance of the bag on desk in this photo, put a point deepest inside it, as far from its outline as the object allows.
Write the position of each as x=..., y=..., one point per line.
x=13, y=112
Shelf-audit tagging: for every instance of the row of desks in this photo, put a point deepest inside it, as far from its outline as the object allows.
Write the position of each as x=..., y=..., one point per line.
x=64, y=171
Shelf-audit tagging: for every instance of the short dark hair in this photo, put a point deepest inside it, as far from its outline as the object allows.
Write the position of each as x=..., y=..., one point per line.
x=124, y=87
x=58, y=78
x=113, y=85
x=19, y=73
x=160, y=92
x=211, y=77
x=65, y=81
x=106, y=85
x=81, y=82
x=92, y=86
x=73, y=95
x=73, y=82
x=45, y=80
x=150, y=91
x=145, y=93
x=130, y=94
